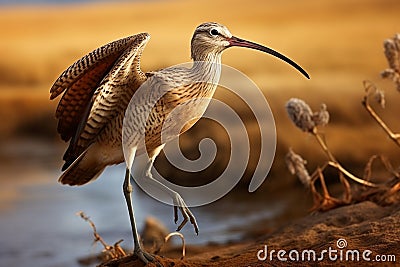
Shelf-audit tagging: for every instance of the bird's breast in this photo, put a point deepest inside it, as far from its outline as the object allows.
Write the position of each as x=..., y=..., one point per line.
x=170, y=103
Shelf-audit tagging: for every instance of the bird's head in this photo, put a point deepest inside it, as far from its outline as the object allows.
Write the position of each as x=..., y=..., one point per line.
x=210, y=39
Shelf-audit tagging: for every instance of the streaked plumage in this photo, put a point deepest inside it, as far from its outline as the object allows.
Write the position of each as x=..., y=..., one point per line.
x=98, y=88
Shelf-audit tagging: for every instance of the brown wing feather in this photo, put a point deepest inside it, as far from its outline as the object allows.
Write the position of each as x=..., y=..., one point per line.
x=80, y=80
x=87, y=85
x=112, y=97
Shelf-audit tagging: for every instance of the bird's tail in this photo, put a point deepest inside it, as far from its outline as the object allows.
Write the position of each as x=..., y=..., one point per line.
x=84, y=169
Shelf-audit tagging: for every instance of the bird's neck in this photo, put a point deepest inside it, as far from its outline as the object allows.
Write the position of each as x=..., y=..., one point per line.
x=207, y=56
x=207, y=67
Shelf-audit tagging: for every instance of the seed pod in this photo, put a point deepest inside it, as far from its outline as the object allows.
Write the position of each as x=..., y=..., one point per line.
x=300, y=113
x=392, y=53
x=321, y=118
x=296, y=165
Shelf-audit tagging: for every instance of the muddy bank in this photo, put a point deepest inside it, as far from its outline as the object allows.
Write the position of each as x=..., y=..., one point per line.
x=372, y=230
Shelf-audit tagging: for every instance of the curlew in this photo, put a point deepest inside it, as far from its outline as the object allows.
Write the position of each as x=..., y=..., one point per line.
x=97, y=90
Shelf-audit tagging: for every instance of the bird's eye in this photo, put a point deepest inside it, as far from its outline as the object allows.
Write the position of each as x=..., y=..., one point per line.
x=214, y=32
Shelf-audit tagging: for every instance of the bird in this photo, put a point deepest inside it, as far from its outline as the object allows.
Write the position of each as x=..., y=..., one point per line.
x=97, y=89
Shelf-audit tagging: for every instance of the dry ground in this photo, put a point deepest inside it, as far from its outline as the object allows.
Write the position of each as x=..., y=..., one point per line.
x=364, y=226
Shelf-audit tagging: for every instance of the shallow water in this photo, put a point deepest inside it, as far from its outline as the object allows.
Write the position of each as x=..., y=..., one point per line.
x=41, y=228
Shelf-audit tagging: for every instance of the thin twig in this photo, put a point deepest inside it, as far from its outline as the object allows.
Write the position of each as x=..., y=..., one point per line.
x=323, y=144
x=183, y=242
x=333, y=162
x=114, y=251
x=323, y=184
x=351, y=176
x=346, y=184
x=394, y=136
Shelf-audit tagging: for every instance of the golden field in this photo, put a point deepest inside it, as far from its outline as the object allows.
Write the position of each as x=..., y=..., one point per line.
x=338, y=42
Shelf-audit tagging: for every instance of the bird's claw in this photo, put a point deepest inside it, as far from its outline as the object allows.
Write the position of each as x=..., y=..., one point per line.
x=146, y=257
x=186, y=213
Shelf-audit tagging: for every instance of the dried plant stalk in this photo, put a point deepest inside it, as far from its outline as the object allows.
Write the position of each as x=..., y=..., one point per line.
x=183, y=242
x=328, y=202
x=386, y=163
x=368, y=87
x=296, y=165
x=325, y=201
x=301, y=115
x=112, y=252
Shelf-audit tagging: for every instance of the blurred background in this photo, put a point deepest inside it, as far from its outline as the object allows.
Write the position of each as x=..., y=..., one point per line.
x=339, y=43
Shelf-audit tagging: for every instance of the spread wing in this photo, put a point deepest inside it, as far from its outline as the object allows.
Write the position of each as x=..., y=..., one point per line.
x=93, y=88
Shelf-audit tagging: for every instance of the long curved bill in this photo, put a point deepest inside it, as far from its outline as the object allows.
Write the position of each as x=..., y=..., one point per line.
x=234, y=41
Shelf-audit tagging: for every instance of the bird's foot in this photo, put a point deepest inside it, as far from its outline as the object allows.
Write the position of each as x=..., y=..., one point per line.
x=146, y=257
x=186, y=213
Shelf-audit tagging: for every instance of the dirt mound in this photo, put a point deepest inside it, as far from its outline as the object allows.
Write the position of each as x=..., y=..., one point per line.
x=363, y=231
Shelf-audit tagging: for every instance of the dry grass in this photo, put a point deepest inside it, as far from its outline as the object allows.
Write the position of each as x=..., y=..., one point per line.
x=303, y=117
x=41, y=42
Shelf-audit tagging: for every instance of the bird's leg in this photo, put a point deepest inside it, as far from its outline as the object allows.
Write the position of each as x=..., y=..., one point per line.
x=138, y=251
x=178, y=201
